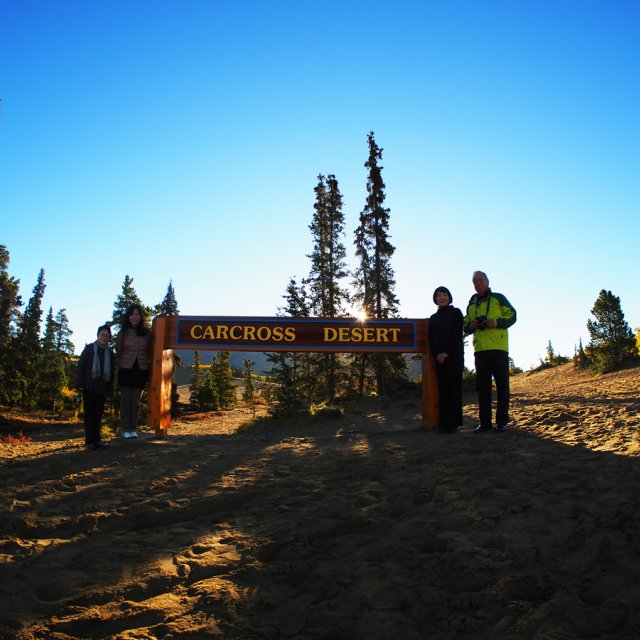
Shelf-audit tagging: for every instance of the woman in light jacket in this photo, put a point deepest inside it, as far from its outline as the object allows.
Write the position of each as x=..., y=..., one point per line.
x=133, y=345
x=94, y=378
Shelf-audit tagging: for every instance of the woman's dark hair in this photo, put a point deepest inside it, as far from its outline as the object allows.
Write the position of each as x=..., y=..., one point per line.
x=444, y=290
x=141, y=329
x=104, y=327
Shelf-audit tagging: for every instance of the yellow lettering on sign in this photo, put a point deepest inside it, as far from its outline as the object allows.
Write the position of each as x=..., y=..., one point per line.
x=330, y=334
x=208, y=333
x=247, y=333
x=360, y=334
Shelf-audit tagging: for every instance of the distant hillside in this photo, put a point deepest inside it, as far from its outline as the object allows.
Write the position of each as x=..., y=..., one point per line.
x=183, y=374
x=261, y=366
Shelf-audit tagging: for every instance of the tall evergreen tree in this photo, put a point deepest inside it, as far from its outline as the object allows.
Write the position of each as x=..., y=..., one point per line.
x=62, y=334
x=374, y=277
x=29, y=345
x=580, y=357
x=375, y=282
x=197, y=380
x=223, y=379
x=52, y=374
x=208, y=399
x=126, y=298
x=290, y=370
x=612, y=341
x=169, y=304
x=327, y=296
x=249, y=391
x=10, y=303
x=551, y=354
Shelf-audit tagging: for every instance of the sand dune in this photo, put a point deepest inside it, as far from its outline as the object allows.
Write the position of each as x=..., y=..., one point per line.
x=364, y=527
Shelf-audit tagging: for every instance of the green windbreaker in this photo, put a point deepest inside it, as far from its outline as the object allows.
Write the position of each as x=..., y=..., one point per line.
x=496, y=307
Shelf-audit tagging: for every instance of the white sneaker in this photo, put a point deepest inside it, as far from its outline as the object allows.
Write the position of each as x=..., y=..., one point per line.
x=127, y=434
x=133, y=434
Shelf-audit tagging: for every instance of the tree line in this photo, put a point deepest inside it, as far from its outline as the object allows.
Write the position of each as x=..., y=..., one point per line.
x=37, y=364
x=34, y=361
x=612, y=342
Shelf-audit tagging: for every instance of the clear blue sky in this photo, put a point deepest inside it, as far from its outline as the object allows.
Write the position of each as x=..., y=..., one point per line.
x=182, y=140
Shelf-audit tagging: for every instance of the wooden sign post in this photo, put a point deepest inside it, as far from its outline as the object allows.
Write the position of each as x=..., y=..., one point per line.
x=336, y=335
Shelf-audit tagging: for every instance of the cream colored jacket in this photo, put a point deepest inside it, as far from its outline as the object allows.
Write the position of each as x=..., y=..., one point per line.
x=131, y=346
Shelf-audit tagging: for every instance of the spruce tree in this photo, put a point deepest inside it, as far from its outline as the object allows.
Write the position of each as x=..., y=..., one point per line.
x=290, y=371
x=29, y=346
x=374, y=278
x=197, y=379
x=551, y=355
x=62, y=334
x=10, y=303
x=249, y=391
x=169, y=304
x=52, y=374
x=612, y=341
x=223, y=379
x=208, y=398
x=124, y=300
x=327, y=296
x=580, y=357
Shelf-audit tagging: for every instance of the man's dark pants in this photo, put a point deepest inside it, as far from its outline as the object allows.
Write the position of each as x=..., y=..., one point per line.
x=492, y=364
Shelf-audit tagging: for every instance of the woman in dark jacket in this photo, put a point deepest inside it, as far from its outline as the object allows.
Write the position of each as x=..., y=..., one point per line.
x=94, y=378
x=447, y=347
x=133, y=345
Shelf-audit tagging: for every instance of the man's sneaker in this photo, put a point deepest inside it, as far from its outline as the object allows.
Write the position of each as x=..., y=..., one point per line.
x=500, y=428
x=480, y=428
x=127, y=434
x=133, y=434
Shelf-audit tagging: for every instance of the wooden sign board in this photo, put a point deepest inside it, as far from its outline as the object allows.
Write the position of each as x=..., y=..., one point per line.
x=227, y=333
x=290, y=334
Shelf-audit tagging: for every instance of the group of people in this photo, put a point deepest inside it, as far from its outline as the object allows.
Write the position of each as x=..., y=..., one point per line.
x=488, y=317
x=95, y=375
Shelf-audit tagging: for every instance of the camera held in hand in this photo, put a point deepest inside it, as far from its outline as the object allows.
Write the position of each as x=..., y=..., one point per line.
x=482, y=322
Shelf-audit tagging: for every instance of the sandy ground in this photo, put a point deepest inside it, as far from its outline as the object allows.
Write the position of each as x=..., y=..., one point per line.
x=353, y=528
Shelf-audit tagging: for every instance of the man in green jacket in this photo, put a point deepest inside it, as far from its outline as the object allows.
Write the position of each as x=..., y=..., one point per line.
x=489, y=316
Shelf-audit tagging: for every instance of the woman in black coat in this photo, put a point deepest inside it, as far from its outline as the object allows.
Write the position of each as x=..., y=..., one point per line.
x=447, y=347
